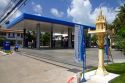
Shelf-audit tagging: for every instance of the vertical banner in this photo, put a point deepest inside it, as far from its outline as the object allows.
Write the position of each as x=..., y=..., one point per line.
x=80, y=52
x=79, y=42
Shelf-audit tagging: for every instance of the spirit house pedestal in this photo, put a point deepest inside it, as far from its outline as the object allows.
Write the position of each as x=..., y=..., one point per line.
x=100, y=33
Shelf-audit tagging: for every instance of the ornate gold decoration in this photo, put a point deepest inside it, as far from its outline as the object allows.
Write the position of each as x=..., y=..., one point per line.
x=100, y=34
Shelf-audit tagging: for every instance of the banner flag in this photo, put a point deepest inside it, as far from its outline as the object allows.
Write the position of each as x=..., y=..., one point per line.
x=79, y=44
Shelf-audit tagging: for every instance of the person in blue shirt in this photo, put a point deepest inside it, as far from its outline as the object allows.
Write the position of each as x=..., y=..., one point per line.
x=16, y=47
x=107, y=49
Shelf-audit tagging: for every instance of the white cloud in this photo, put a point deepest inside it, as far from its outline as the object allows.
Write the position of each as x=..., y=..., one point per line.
x=16, y=14
x=81, y=12
x=56, y=12
x=109, y=13
x=37, y=8
x=3, y=4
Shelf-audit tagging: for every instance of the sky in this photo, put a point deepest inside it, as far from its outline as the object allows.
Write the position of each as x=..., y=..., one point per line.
x=78, y=11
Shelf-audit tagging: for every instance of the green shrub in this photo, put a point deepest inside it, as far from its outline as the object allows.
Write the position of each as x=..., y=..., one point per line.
x=8, y=51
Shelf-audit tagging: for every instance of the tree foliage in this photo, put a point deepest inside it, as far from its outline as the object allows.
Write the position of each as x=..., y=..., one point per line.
x=45, y=38
x=119, y=26
x=94, y=39
x=30, y=36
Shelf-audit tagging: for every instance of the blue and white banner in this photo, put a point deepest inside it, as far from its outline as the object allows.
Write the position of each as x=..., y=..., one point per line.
x=79, y=44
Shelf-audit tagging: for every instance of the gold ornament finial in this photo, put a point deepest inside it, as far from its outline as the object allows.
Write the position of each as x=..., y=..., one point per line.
x=100, y=11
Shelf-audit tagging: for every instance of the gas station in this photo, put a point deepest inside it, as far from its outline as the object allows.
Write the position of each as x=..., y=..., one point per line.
x=62, y=41
x=75, y=37
x=61, y=32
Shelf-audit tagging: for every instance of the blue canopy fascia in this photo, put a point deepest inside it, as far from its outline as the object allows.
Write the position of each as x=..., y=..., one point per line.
x=25, y=16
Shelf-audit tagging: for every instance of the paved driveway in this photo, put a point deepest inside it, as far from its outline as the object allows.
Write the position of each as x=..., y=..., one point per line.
x=66, y=56
x=21, y=69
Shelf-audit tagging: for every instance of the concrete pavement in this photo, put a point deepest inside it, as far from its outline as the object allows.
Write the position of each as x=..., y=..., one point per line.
x=21, y=69
x=45, y=66
x=66, y=56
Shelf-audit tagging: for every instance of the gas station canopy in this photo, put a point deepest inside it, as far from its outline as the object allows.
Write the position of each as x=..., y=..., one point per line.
x=29, y=22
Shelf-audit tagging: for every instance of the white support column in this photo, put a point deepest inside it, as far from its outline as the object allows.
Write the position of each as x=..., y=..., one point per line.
x=38, y=36
x=69, y=37
x=24, y=37
x=7, y=35
x=51, y=36
x=16, y=37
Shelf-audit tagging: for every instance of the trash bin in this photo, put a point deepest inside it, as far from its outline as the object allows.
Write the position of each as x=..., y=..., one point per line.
x=6, y=45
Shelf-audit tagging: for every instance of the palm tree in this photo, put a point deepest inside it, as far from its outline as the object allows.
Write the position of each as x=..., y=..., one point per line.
x=119, y=26
x=121, y=14
x=119, y=22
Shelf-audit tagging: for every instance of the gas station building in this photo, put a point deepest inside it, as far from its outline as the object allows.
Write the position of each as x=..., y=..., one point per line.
x=61, y=32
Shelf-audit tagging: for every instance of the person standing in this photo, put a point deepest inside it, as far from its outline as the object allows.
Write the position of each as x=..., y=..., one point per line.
x=107, y=48
x=16, y=47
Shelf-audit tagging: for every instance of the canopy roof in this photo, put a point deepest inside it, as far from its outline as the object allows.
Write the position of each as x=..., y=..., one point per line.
x=29, y=22
x=25, y=16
